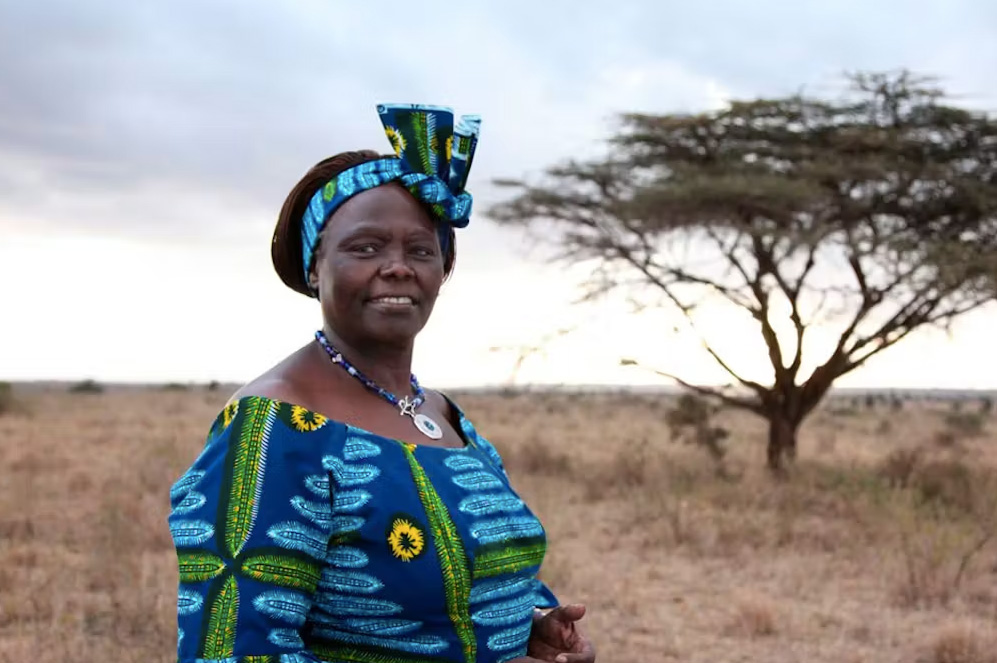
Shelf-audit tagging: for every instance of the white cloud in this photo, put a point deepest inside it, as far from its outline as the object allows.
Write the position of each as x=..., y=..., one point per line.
x=145, y=149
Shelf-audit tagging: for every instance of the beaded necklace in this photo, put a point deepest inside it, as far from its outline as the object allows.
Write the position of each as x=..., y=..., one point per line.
x=406, y=406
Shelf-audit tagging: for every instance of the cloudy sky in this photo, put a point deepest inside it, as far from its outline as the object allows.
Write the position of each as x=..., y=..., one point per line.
x=145, y=148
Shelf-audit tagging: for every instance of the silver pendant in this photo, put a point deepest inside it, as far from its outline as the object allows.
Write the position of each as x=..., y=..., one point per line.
x=427, y=426
x=407, y=407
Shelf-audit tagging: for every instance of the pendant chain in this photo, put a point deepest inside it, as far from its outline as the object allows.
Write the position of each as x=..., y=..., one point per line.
x=407, y=406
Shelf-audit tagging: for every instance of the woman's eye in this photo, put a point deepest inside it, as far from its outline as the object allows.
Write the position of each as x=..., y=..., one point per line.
x=423, y=251
x=365, y=248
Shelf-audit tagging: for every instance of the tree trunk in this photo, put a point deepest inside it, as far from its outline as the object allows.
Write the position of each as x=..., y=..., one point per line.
x=782, y=442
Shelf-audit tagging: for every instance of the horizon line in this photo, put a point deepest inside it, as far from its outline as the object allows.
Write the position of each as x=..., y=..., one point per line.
x=502, y=387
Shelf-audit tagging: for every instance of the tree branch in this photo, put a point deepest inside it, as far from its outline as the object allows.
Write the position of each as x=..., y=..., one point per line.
x=686, y=310
x=904, y=330
x=713, y=392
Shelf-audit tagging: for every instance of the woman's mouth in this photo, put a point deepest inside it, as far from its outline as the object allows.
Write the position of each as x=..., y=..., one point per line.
x=393, y=301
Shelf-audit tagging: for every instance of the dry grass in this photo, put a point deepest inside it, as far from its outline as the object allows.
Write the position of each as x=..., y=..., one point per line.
x=880, y=547
x=961, y=643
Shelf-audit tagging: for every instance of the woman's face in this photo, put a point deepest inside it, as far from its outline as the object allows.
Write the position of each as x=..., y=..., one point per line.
x=378, y=268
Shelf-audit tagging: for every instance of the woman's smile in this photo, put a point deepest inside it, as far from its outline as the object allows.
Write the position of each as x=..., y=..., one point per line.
x=393, y=303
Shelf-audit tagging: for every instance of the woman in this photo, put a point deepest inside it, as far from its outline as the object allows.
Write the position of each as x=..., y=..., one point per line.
x=338, y=511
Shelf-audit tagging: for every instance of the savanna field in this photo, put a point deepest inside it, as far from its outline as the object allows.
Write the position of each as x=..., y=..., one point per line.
x=881, y=546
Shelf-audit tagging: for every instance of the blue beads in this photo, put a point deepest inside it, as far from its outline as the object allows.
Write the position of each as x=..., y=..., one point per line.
x=337, y=358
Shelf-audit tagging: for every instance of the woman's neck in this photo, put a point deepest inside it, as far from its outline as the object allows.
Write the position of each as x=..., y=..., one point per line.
x=389, y=366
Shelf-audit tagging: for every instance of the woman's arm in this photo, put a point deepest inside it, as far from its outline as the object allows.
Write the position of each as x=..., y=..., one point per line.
x=250, y=534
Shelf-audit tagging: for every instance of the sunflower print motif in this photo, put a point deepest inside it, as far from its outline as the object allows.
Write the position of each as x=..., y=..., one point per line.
x=406, y=539
x=304, y=420
x=229, y=413
x=396, y=139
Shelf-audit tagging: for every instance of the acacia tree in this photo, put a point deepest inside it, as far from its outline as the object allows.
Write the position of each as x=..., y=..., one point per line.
x=873, y=215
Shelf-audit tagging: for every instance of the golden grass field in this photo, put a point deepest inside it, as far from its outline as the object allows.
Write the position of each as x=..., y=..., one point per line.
x=878, y=548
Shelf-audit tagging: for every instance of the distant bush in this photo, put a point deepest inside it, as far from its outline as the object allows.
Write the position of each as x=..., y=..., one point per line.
x=691, y=421
x=175, y=386
x=6, y=398
x=214, y=385
x=948, y=483
x=87, y=387
x=967, y=424
x=986, y=405
x=899, y=466
x=946, y=439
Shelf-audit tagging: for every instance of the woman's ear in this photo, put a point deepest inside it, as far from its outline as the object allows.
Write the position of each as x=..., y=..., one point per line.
x=313, y=280
x=313, y=272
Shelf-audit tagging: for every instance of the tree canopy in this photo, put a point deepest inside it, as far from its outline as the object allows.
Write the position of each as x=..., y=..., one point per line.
x=875, y=211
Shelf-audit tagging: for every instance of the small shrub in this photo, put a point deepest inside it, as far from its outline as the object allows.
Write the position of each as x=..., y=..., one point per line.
x=87, y=387
x=690, y=421
x=940, y=546
x=538, y=459
x=755, y=618
x=898, y=468
x=174, y=386
x=7, y=402
x=947, y=483
x=967, y=424
x=960, y=644
x=508, y=393
x=926, y=580
x=214, y=385
x=946, y=439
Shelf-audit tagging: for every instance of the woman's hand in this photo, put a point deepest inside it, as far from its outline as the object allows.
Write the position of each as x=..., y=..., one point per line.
x=556, y=638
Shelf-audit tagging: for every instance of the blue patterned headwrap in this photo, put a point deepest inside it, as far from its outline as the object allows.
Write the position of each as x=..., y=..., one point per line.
x=432, y=160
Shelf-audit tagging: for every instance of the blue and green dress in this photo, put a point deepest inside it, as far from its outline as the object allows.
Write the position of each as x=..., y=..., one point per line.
x=301, y=538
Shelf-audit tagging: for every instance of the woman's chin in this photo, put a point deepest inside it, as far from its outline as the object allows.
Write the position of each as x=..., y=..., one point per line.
x=396, y=330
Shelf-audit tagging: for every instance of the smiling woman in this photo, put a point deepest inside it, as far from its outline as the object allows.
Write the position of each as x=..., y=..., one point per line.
x=339, y=511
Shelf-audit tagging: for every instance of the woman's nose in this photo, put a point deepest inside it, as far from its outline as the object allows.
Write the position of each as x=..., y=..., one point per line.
x=396, y=266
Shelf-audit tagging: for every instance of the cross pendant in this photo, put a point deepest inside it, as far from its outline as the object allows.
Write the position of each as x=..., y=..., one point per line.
x=407, y=407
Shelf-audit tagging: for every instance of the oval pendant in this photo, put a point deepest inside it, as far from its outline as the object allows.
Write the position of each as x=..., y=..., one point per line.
x=427, y=426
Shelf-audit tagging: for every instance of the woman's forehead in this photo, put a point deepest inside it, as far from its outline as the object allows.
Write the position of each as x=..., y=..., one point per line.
x=390, y=204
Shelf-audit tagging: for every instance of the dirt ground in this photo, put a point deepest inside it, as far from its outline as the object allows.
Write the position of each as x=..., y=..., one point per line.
x=879, y=547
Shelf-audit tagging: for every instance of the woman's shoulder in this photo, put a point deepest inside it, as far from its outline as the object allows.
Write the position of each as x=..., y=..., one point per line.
x=288, y=382
x=279, y=389
x=259, y=429
x=266, y=401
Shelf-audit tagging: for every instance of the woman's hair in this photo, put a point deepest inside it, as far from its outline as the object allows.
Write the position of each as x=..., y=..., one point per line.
x=285, y=250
